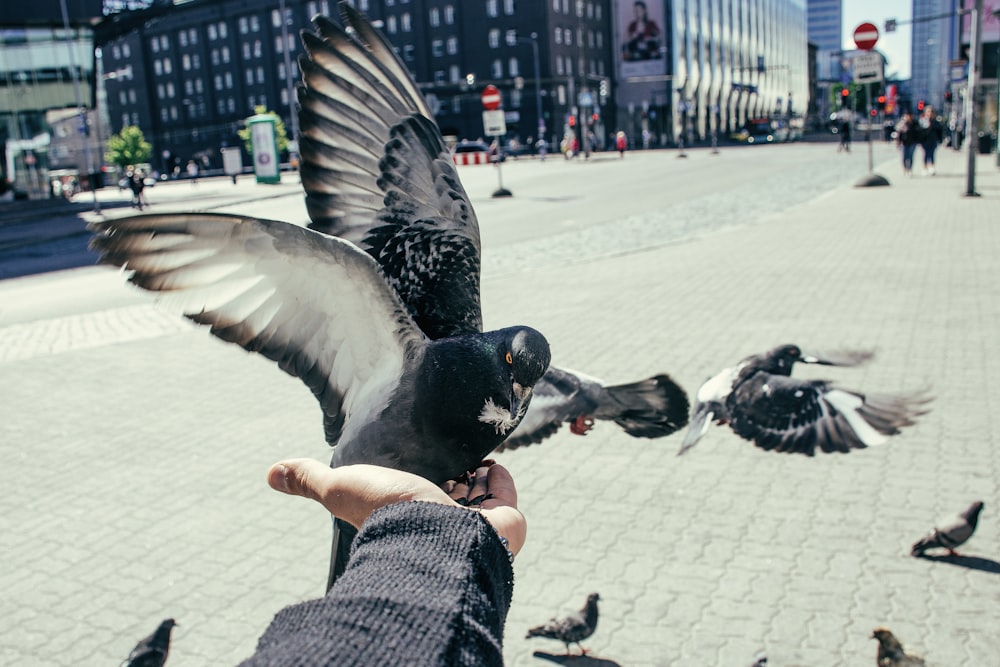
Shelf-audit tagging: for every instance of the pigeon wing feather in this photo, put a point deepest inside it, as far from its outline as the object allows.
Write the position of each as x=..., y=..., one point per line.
x=314, y=304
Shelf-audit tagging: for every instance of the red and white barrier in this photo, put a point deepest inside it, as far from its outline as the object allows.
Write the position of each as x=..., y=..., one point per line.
x=471, y=158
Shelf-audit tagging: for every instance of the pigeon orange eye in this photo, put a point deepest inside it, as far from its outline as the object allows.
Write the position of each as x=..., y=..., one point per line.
x=509, y=358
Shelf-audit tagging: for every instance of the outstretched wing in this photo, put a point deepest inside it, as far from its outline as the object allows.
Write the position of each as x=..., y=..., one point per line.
x=316, y=305
x=650, y=408
x=377, y=172
x=788, y=415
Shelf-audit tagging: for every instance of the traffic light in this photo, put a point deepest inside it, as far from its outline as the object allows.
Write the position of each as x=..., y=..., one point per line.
x=947, y=96
x=595, y=117
x=844, y=94
x=881, y=102
x=920, y=105
x=572, y=120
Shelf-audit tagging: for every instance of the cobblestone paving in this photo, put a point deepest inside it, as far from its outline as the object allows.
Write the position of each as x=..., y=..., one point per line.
x=136, y=445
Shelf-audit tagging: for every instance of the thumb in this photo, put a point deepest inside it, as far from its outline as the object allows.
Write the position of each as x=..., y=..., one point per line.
x=301, y=477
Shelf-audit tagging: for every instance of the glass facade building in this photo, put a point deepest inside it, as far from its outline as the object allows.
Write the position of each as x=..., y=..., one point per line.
x=725, y=62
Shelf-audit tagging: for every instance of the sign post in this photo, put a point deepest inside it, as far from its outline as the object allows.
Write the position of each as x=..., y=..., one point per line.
x=868, y=68
x=495, y=125
x=264, y=140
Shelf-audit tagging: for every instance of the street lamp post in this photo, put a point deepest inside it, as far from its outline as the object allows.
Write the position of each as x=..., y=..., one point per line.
x=538, y=81
x=975, y=57
x=79, y=105
x=289, y=86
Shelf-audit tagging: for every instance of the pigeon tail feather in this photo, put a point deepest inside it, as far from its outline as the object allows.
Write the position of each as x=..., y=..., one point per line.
x=651, y=408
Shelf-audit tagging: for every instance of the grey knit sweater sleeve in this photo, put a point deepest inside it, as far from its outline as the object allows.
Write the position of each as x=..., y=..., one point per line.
x=427, y=584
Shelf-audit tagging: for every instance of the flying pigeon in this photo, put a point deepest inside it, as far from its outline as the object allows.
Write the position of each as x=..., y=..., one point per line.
x=891, y=653
x=761, y=402
x=383, y=323
x=650, y=408
x=574, y=628
x=152, y=651
x=950, y=534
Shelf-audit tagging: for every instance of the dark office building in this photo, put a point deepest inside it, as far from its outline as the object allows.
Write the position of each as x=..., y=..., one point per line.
x=189, y=78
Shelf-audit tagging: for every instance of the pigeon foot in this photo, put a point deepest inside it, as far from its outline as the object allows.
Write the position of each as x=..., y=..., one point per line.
x=581, y=425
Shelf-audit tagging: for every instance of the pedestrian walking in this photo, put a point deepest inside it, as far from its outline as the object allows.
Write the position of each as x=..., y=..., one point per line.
x=931, y=134
x=621, y=142
x=845, y=136
x=135, y=184
x=907, y=135
x=192, y=171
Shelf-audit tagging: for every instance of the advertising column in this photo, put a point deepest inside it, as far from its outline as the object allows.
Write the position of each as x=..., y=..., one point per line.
x=263, y=139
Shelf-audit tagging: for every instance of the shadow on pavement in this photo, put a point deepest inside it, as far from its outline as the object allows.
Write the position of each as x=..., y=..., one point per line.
x=969, y=562
x=573, y=659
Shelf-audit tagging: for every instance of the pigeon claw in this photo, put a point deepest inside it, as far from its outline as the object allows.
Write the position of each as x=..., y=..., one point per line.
x=581, y=425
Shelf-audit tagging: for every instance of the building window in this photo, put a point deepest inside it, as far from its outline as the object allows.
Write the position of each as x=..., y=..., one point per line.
x=491, y=8
x=249, y=76
x=405, y=21
x=255, y=21
x=198, y=86
x=160, y=92
x=154, y=45
x=449, y=14
x=189, y=87
x=122, y=98
x=568, y=37
x=246, y=51
x=260, y=74
x=229, y=79
x=225, y=54
x=439, y=77
x=257, y=50
x=435, y=17
x=164, y=43
x=116, y=52
x=185, y=61
x=195, y=61
x=223, y=30
x=456, y=105
x=281, y=71
x=131, y=95
x=390, y=25
x=452, y=46
x=515, y=98
x=513, y=69
x=494, y=38
x=215, y=56
x=437, y=48
x=170, y=90
x=126, y=51
x=453, y=74
x=212, y=32
x=164, y=114
x=157, y=67
x=508, y=7
x=193, y=36
x=497, y=69
x=218, y=82
x=555, y=5
x=244, y=25
x=182, y=38
x=284, y=97
x=408, y=52
x=600, y=40
x=558, y=36
x=231, y=104
x=559, y=66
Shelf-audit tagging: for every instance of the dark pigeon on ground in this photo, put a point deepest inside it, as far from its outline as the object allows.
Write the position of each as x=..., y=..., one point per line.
x=650, y=408
x=950, y=534
x=762, y=403
x=153, y=650
x=891, y=653
x=759, y=660
x=383, y=322
x=572, y=629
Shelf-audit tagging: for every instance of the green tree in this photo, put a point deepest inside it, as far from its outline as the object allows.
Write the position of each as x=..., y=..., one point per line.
x=279, y=131
x=128, y=147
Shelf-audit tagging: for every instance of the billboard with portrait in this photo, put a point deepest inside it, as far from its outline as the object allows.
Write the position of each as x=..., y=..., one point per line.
x=642, y=38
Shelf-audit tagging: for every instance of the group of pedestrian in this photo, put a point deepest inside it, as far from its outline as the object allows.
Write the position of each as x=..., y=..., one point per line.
x=925, y=131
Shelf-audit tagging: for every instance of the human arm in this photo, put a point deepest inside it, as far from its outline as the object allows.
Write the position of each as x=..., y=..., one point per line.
x=429, y=582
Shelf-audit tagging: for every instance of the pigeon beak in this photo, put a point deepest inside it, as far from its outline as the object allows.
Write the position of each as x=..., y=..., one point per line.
x=810, y=359
x=519, y=395
x=700, y=421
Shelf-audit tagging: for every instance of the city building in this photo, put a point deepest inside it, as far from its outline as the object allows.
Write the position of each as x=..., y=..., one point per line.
x=934, y=47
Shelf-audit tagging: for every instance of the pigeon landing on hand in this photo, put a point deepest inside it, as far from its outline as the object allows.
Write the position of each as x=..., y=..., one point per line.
x=383, y=321
x=891, y=653
x=152, y=651
x=762, y=403
x=574, y=628
x=650, y=408
x=950, y=534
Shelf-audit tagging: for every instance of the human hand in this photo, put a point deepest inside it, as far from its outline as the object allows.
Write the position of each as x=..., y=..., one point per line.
x=353, y=492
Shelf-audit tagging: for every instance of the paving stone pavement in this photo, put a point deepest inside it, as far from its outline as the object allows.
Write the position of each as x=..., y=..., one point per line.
x=135, y=459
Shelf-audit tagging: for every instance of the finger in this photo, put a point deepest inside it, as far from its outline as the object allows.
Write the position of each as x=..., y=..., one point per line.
x=480, y=485
x=300, y=477
x=500, y=485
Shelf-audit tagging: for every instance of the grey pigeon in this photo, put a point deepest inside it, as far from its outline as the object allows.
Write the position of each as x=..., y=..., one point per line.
x=891, y=653
x=762, y=403
x=152, y=651
x=950, y=534
x=382, y=322
x=650, y=408
x=759, y=660
x=572, y=629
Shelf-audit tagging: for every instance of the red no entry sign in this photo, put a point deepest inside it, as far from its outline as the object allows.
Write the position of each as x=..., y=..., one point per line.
x=491, y=98
x=865, y=36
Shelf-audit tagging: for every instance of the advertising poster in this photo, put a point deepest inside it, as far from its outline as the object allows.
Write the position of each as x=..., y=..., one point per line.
x=642, y=38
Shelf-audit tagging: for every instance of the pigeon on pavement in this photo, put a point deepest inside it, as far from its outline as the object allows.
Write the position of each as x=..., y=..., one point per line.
x=382, y=322
x=152, y=651
x=574, y=628
x=891, y=653
x=650, y=408
x=762, y=403
x=950, y=534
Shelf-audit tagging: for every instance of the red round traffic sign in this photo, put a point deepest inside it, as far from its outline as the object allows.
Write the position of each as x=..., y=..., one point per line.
x=491, y=98
x=865, y=36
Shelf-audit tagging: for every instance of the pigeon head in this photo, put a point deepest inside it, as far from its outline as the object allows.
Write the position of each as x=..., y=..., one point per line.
x=887, y=640
x=523, y=356
x=972, y=514
x=780, y=360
